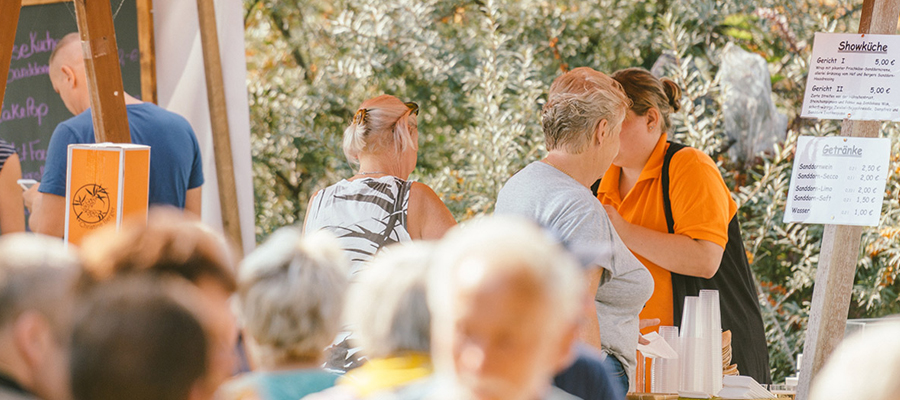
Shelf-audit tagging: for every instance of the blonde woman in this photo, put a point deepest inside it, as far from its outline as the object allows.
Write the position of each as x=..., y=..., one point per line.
x=378, y=205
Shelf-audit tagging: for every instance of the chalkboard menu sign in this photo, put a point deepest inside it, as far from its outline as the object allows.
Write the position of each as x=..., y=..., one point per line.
x=31, y=108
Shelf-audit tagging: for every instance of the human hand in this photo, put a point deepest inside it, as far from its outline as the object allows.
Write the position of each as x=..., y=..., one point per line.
x=29, y=196
x=646, y=323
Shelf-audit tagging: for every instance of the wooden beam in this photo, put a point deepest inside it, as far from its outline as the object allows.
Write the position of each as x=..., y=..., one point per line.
x=104, y=76
x=218, y=113
x=9, y=20
x=147, y=46
x=840, y=244
x=40, y=2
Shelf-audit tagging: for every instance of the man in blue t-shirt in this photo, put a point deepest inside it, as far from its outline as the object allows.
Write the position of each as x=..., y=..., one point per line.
x=176, y=171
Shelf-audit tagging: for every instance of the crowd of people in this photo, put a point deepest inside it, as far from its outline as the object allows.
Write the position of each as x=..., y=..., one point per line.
x=379, y=295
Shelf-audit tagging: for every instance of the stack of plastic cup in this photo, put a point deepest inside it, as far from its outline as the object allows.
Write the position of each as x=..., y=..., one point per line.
x=666, y=372
x=694, y=360
x=709, y=303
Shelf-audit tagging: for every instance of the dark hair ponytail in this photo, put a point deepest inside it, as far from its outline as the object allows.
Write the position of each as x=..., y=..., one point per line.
x=673, y=93
x=646, y=92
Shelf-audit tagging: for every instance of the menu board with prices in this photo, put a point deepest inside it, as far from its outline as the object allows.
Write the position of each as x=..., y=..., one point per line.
x=854, y=76
x=838, y=180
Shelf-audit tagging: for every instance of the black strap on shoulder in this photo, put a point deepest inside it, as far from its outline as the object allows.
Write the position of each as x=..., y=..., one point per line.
x=595, y=187
x=667, y=203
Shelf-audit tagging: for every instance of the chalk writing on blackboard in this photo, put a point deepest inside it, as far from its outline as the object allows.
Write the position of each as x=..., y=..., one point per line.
x=29, y=109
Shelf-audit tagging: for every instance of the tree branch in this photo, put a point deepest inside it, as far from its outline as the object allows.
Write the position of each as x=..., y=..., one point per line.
x=250, y=7
x=278, y=21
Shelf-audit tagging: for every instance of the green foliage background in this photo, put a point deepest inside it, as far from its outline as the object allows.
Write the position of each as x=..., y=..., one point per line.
x=480, y=70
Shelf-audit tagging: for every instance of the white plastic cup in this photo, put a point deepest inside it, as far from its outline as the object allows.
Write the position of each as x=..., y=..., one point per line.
x=667, y=376
x=694, y=364
x=709, y=300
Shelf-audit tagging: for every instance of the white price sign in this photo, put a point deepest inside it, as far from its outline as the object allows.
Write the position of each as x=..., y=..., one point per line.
x=854, y=76
x=838, y=180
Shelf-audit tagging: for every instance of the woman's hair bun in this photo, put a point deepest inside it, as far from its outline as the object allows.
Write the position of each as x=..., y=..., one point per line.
x=673, y=92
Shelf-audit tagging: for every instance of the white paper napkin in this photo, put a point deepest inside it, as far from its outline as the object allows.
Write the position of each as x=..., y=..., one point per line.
x=658, y=347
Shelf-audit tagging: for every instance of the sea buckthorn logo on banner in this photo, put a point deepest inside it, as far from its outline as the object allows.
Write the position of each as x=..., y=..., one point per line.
x=91, y=205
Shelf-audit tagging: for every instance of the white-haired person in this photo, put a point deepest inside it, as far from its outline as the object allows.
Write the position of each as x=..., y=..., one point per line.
x=289, y=302
x=388, y=312
x=865, y=366
x=378, y=205
x=506, y=303
x=582, y=119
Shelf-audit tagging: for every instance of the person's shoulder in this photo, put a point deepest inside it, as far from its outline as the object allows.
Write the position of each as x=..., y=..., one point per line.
x=78, y=123
x=694, y=163
x=422, y=198
x=160, y=114
x=77, y=129
x=421, y=189
x=688, y=156
x=539, y=177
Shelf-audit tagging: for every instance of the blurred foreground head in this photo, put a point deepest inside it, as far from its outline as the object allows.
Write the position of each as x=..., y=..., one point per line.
x=864, y=366
x=37, y=277
x=386, y=305
x=505, y=301
x=169, y=245
x=139, y=338
x=290, y=297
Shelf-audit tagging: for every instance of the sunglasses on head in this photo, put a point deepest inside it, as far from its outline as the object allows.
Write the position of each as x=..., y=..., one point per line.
x=362, y=113
x=413, y=107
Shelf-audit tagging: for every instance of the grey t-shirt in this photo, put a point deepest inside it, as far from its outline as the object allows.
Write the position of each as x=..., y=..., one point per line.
x=568, y=210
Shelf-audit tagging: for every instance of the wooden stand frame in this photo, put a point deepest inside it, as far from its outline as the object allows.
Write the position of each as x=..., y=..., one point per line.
x=104, y=74
x=218, y=115
x=95, y=23
x=9, y=17
x=146, y=40
x=840, y=244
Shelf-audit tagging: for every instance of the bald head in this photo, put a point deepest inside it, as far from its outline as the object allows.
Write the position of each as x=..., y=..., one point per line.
x=67, y=73
x=67, y=51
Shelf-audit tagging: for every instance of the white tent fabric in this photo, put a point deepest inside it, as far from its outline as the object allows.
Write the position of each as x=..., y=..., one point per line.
x=181, y=88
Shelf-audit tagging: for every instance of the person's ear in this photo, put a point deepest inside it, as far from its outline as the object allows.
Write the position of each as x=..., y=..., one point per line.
x=69, y=76
x=653, y=119
x=32, y=335
x=602, y=131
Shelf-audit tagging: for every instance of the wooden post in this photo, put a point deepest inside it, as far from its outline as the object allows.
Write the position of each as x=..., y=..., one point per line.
x=840, y=244
x=104, y=76
x=147, y=45
x=9, y=20
x=218, y=113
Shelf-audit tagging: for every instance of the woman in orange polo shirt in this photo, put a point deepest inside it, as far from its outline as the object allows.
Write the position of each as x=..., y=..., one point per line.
x=701, y=207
